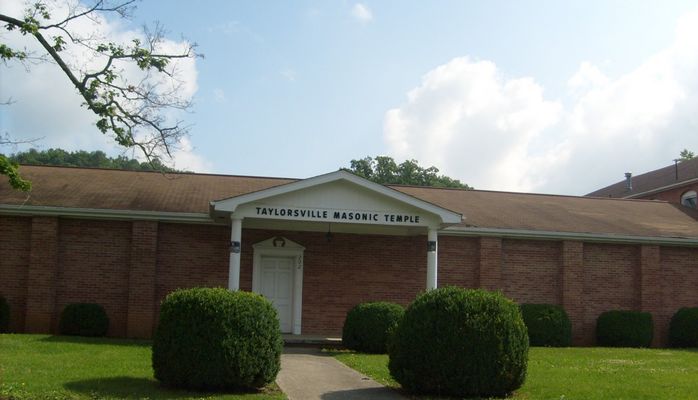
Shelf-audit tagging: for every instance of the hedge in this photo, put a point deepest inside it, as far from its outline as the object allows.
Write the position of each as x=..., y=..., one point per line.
x=216, y=339
x=547, y=324
x=367, y=326
x=83, y=319
x=461, y=343
x=624, y=329
x=683, y=329
x=4, y=315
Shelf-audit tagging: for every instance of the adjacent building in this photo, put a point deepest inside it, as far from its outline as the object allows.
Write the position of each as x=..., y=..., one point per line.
x=676, y=183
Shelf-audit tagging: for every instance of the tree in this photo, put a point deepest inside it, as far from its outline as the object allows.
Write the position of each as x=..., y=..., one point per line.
x=686, y=155
x=133, y=108
x=90, y=159
x=386, y=171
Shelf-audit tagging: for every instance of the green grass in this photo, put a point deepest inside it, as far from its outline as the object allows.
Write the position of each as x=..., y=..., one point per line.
x=63, y=367
x=583, y=373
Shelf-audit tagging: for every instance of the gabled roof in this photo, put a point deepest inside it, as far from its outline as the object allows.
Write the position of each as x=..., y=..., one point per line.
x=664, y=178
x=447, y=216
x=62, y=190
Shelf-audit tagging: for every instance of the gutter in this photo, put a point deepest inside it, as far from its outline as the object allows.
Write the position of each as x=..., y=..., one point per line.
x=585, y=237
x=661, y=189
x=102, y=213
x=203, y=218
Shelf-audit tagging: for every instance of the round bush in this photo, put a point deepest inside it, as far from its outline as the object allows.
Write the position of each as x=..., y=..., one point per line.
x=624, y=329
x=547, y=325
x=462, y=343
x=683, y=330
x=367, y=326
x=216, y=339
x=4, y=315
x=83, y=319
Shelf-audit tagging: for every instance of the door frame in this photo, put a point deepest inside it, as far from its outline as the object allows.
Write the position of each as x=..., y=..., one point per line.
x=281, y=247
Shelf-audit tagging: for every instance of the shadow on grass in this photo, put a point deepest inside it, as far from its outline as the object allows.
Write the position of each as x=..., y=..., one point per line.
x=97, y=340
x=126, y=387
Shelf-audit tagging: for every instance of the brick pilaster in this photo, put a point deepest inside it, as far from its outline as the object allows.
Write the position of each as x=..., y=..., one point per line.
x=650, y=291
x=41, y=275
x=573, y=291
x=141, y=298
x=490, y=268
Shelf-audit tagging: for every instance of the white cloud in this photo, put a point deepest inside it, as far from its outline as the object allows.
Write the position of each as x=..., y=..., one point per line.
x=219, y=95
x=362, y=13
x=501, y=133
x=48, y=106
x=288, y=74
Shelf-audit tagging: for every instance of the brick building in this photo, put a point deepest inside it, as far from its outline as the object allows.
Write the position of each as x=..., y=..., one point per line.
x=319, y=246
x=677, y=183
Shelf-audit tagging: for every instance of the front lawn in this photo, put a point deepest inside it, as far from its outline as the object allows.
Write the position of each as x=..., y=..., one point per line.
x=64, y=367
x=583, y=373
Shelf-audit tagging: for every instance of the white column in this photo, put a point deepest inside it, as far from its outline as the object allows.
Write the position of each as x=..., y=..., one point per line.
x=235, y=249
x=432, y=250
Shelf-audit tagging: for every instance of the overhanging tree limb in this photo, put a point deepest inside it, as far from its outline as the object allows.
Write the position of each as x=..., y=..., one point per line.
x=135, y=113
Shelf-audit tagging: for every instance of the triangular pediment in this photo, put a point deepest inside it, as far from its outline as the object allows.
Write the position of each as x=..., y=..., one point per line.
x=338, y=197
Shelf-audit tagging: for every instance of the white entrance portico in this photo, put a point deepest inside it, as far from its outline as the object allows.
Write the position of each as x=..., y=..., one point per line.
x=336, y=202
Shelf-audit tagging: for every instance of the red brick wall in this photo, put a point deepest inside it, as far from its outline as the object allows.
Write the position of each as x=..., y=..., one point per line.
x=129, y=267
x=672, y=195
x=191, y=256
x=93, y=267
x=458, y=261
x=611, y=281
x=15, y=241
x=531, y=271
x=679, y=283
x=348, y=270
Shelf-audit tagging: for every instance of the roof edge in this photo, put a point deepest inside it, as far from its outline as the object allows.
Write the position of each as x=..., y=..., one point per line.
x=661, y=188
x=230, y=204
x=103, y=213
x=580, y=236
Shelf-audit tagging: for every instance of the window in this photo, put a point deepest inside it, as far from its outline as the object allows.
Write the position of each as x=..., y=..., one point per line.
x=689, y=199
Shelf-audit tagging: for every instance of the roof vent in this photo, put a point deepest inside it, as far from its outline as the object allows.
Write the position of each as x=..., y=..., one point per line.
x=629, y=181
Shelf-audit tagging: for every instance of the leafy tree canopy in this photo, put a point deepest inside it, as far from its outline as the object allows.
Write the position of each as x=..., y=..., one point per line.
x=132, y=86
x=384, y=170
x=82, y=158
x=686, y=155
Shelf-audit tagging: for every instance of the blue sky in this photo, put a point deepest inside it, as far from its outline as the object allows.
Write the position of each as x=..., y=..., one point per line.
x=544, y=96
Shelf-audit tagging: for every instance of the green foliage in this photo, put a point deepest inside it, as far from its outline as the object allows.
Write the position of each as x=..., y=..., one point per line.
x=4, y=315
x=547, y=325
x=683, y=330
x=216, y=339
x=686, y=155
x=137, y=112
x=83, y=319
x=458, y=342
x=368, y=325
x=90, y=159
x=11, y=170
x=620, y=328
x=386, y=171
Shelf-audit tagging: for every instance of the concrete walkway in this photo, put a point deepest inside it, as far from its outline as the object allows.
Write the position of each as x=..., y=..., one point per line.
x=308, y=374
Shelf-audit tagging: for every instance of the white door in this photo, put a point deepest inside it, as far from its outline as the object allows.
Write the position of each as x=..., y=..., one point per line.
x=277, y=286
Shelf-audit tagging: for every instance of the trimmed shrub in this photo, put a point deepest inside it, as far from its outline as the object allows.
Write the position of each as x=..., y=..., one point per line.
x=683, y=330
x=367, y=326
x=620, y=328
x=4, y=315
x=216, y=339
x=83, y=319
x=547, y=325
x=461, y=343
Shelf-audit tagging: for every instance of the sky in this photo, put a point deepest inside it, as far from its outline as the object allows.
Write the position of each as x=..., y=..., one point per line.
x=535, y=96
